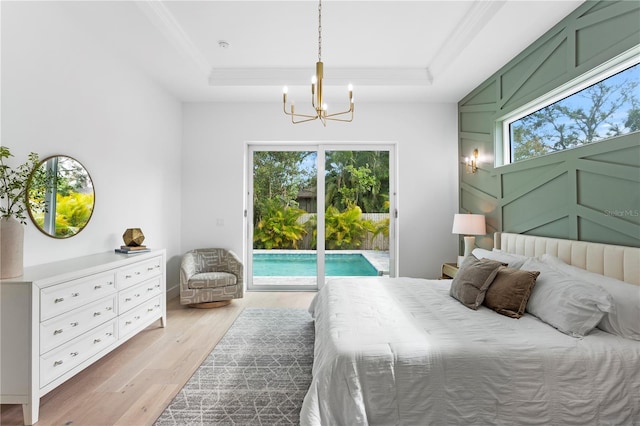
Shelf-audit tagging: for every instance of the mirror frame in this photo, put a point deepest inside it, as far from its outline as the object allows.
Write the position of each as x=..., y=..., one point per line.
x=29, y=202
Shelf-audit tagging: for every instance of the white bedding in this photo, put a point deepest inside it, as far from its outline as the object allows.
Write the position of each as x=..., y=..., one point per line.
x=401, y=351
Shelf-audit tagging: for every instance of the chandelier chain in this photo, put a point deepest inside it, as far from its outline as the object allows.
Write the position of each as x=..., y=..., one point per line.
x=317, y=100
x=320, y=31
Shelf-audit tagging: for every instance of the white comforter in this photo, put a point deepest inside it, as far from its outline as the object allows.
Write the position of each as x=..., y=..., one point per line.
x=403, y=352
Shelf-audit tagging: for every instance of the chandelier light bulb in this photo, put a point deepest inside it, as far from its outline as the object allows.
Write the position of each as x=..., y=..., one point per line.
x=324, y=107
x=285, y=90
x=350, y=87
x=314, y=79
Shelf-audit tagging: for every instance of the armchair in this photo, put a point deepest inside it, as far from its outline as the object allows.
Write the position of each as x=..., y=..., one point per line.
x=210, y=277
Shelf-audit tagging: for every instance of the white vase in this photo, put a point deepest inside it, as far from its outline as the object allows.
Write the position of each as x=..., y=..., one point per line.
x=11, y=248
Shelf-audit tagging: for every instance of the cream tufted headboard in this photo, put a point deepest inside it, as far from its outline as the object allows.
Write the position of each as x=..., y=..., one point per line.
x=620, y=262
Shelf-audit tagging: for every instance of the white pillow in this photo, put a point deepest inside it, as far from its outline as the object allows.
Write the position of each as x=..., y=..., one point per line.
x=564, y=302
x=514, y=261
x=624, y=318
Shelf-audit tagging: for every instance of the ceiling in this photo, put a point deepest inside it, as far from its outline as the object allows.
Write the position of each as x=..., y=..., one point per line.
x=404, y=51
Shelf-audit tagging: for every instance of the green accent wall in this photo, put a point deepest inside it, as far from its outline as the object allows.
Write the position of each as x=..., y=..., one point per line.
x=590, y=193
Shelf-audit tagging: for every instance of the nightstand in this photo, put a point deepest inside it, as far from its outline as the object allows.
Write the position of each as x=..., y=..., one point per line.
x=449, y=271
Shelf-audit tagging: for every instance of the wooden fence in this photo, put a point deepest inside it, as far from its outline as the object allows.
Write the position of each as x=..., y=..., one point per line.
x=380, y=242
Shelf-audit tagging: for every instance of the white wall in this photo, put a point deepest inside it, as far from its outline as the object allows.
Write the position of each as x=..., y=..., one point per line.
x=64, y=93
x=214, y=140
x=174, y=170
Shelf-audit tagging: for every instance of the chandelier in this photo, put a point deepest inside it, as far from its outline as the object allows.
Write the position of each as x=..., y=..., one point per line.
x=317, y=101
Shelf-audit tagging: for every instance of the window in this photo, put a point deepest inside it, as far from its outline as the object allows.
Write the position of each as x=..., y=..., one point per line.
x=607, y=108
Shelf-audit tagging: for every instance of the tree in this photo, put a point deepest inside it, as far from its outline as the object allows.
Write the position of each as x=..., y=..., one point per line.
x=591, y=115
x=358, y=178
x=279, y=227
x=527, y=144
x=278, y=175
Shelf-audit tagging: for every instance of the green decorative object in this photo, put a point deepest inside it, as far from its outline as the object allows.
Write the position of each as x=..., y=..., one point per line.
x=133, y=237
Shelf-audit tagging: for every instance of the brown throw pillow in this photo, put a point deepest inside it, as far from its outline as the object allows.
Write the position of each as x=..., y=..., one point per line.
x=509, y=292
x=472, y=280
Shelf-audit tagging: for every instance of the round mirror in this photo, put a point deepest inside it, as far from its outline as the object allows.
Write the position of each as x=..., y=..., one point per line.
x=60, y=197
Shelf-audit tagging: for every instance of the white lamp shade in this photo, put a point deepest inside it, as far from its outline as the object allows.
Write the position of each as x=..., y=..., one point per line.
x=469, y=224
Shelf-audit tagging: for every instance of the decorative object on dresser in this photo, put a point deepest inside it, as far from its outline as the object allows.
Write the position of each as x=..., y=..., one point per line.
x=210, y=278
x=69, y=199
x=13, y=189
x=59, y=318
x=468, y=225
x=133, y=237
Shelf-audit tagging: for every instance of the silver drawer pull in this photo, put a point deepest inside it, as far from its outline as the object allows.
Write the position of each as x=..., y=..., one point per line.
x=137, y=295
x=157, y=285
x=57, y=363
x=127, y=323
x=128, y=299
x=109, y=334
x=97, y=340
x=150, y=309
x=74, y=324
x=75, y=294
x=58, y=331
x=97, y=314
x=74, y=354
x=110, y=283
x=58, y=300
x=97, y=287
x=137, y=317
x=127, y=276
x=137, y=272
x=150, y=289
x=151, y=268
x=109, y=308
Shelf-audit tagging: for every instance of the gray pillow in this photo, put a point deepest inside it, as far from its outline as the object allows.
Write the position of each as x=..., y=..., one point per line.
x=565, y=302
x=514, y=261
x=472, y=280
x=624, y=317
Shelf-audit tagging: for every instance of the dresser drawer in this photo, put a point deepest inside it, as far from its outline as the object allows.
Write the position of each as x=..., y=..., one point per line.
x=59, y=361
x=65, y=327
x=137, y=294
x=139, y=272
x=140, y=316
x=61, y=298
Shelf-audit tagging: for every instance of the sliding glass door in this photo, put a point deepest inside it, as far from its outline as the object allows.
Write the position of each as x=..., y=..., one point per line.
x=318, y=211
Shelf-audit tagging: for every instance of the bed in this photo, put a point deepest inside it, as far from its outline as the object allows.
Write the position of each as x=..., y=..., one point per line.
x=403, y=351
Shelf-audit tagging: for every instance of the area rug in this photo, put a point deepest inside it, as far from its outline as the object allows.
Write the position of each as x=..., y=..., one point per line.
x=258, y=374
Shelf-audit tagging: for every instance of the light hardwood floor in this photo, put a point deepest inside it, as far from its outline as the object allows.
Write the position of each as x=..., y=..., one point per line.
x=133, y=384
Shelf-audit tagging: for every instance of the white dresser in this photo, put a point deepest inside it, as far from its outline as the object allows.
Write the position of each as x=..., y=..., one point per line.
x=59, y=318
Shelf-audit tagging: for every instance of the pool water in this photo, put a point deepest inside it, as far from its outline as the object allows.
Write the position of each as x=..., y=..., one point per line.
x=304, y=265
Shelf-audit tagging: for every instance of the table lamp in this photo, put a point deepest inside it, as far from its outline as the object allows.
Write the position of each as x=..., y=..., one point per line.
x=468, y=225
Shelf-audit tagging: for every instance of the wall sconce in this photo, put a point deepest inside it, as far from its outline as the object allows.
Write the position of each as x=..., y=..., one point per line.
x=472, y=163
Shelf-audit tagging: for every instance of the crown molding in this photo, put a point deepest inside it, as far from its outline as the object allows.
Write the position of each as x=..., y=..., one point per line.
x=333, y=76
x=164, y=20
x=477, y=17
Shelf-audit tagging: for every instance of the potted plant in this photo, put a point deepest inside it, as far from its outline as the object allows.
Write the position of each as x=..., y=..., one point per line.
x=13, y=206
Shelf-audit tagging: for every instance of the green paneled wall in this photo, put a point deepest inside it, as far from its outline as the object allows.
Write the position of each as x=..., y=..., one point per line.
x=589, y=193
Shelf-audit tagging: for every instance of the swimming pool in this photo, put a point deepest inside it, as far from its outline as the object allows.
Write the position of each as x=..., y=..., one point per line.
x=304, y=265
